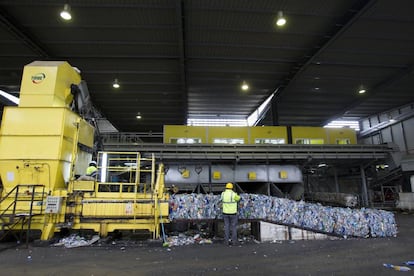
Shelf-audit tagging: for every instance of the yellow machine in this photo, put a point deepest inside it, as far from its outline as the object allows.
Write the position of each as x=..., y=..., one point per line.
x=44, y=145
x=178, y=134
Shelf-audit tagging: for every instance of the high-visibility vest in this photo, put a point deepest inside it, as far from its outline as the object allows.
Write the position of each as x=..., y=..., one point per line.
x=229, y=199
x=91, y=171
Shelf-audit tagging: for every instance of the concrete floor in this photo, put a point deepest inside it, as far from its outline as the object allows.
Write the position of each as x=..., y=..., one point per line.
x=316, y=257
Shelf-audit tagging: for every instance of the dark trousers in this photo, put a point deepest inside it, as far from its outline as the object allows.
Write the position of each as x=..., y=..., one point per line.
x=230, y=224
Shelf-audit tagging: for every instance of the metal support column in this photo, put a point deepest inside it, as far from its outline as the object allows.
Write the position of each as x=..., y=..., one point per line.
x=275, y=113
x=336, y=180
x=364, y=187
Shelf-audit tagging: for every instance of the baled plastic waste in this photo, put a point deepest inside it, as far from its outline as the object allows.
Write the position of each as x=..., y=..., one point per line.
x=364, y=222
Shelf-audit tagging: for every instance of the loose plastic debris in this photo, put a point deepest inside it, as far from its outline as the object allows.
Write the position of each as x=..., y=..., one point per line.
x=182, y=239
x=76, y=241
x=409, y=263
x=346, y=222
x=397, y=267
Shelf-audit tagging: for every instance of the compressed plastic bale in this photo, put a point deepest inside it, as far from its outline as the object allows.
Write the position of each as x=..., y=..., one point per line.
x=381, y=223
x=350, y=222
x=317, y=218
x=332, y=220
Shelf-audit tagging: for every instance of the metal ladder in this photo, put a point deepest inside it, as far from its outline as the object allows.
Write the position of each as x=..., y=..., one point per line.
x=10, y=217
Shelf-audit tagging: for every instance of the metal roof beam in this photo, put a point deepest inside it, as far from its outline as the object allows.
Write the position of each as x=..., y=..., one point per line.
x=181, y=47
x=377, y=89
x=23, y=35
x=347, y=21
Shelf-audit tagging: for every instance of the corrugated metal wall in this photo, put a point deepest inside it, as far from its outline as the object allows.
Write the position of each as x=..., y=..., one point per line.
x=400, y=132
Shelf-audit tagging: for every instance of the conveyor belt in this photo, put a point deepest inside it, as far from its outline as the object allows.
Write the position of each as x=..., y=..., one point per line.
x=256, y=152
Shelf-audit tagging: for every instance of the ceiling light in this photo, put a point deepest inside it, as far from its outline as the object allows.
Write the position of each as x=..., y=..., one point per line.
x=361, y=89
x=115, y=84
x=65, y=13
x=245, y=86
x=139, y=116
x=281, y=20
x=391, y=119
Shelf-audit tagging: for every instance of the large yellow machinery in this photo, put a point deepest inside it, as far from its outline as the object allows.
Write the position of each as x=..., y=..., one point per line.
x=178, y=134
x=44, y=145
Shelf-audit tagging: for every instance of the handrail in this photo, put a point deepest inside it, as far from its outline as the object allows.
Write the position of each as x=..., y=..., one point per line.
x=17, y=188
x=13, y=204
x=7, y=195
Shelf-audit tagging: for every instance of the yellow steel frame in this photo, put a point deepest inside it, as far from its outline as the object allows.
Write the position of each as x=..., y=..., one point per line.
x=121, y=200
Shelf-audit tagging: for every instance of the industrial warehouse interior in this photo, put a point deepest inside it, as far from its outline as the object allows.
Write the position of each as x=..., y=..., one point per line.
x=305, y=107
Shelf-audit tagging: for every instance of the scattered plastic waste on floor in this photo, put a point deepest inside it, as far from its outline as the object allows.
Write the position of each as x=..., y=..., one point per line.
x=345, y=222
x=397, y=267
x=74, y=240
x=29, y=256
x=409, y=263
x=182, y=239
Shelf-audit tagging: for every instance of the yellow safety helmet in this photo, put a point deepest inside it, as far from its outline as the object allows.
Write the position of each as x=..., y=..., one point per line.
x=229, y=185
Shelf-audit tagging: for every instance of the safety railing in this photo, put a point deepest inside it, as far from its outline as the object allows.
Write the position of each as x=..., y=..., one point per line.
x=125, y=172
x=13, y=214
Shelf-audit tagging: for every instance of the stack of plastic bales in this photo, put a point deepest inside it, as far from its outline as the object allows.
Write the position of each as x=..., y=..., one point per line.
x=330, y=220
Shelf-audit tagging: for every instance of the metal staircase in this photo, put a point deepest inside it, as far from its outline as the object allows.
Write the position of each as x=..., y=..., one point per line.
x=19, y=209
x=388, y=185
x=387, y=178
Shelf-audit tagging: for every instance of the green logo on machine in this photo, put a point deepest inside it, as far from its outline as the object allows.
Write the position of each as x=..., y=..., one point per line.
x=38, y=78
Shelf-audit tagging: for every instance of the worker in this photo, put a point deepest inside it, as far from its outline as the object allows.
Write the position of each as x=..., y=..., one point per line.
x=91, y=172
x=229, y=200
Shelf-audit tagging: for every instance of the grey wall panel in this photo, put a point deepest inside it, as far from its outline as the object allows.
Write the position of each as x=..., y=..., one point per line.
x=406, y=109
x=365, y=141
x=398, y=136
x=373, y=121
x=386, y=135
x=365, y=124
x=384, y=117
x=376, y=139
x=408, y=126
x=400, y=133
